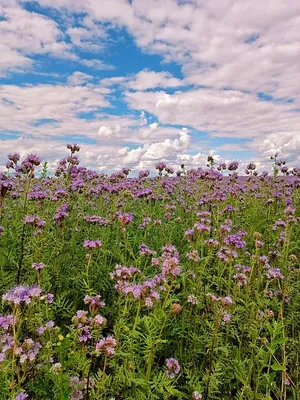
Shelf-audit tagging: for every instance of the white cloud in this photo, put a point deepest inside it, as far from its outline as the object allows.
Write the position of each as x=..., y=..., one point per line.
x=107, y=131
x=24, y=33
x=77, y=78
x=233, y=45
x=96, y=64
x=145, y=79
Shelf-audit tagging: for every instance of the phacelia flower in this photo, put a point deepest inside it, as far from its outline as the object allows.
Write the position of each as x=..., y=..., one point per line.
x=124, y=218
x=193, y=255
x=173, y=367
x=196, y=396
x=192, y=300
x=274, y=273
x=21, y=396
x=38, y=266
x=22, y=294
x=226, y=317
x=106, y=346
x=92, y=244
x=94, y=302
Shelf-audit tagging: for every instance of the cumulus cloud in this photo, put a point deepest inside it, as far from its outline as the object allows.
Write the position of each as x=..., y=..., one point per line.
x=97, y=64
x=25, y=33
x=151, y=80
x=232, y=56
x=77, y=78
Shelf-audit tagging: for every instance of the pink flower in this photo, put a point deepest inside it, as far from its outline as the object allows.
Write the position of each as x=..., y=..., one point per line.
x=173, y=367
x=106, y=346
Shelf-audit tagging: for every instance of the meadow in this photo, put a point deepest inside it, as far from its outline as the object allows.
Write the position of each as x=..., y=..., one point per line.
x=182, y=285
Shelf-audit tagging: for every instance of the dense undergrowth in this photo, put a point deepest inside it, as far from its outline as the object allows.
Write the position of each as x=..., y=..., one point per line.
x=173, y=287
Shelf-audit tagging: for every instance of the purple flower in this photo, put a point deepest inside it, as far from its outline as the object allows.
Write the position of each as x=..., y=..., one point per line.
x=42, y=329
x=38, y=266
x=6, y=321
x=33, y=159
x=160, y=166
x=61, y=213
x=94, y=302
x=189, y=234
x=193, y=300
x=14, y=157
x=226, y=301
x=144, y=250
x=21, y=396
x=94, y=219
x=92, y=244
x=124, y=218
x=106, y=345
x=35, y=221
x=193, y=255
x=169, y=170
x=241, y=279
x=226, y=317
x=201, y=228
x=274, y=273
x=226, y=227
x=171, y=266
x=233, y=166
x=73, y=147
x=251, y=167
x=173, y=367
x=48, y=297
x=124, y=273
x=225, y=254
x=144, y=174
x=86, y=335
x=212, y=242
x=235, y=240
x=22, y=294
x=56, y=367
x=196, y=395
x=221, y=166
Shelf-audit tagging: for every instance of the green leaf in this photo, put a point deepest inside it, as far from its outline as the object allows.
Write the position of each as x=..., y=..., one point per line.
x=277, y=367
x=280, y=340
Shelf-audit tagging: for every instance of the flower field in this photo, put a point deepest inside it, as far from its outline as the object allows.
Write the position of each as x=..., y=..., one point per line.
x=178, y=286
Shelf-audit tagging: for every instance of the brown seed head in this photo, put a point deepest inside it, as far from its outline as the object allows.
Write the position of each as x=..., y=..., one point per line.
x=175, y=309
x=257, y=235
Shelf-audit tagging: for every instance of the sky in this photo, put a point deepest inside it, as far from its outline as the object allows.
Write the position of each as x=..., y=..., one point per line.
x=142, y=81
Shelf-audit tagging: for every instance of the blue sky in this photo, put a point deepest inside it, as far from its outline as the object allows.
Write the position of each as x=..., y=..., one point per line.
x=138, y=82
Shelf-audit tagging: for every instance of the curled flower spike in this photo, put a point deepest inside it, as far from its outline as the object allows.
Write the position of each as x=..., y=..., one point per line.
x=92, y=244
x=173, y=367
x=73, y=147
x=124, y=218
x=22, y=294
x=106, y=346
x=94, y=302
x=196, y=396
x=192, y=300
x=226, y=317
x=21, y=396
x=38, y=266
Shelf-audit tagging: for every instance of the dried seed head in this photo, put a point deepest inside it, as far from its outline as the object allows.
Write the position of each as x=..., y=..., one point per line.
x=175, y=309
x=257, y=235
